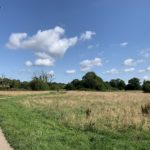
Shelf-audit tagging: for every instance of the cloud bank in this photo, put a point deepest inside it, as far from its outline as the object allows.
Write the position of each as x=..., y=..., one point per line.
x=47, y=45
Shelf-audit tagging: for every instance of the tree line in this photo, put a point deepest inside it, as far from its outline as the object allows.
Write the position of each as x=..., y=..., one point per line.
x=90, y=81
x=40, y=81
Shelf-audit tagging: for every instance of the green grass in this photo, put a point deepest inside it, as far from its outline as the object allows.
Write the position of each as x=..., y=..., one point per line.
x=31, y=128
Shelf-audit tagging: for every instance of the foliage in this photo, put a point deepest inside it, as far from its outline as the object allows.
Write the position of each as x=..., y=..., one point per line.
x=117, y=84
x=37, y=85
x=134, y=84
x=92, y=81
x=56, y=86
x=146, y=86
x=89, y=81
x=25, y=85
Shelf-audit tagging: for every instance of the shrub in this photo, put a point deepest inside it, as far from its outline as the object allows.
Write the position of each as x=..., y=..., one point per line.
x=38, y=85
x=146, y=86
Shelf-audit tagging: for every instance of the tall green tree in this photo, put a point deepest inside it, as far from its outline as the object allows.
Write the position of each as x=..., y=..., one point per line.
x=118, y=84
x=92, y=81
x=146, y=86
x=134, y=84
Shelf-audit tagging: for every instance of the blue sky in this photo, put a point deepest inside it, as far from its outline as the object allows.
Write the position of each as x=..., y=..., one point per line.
x=69, y=38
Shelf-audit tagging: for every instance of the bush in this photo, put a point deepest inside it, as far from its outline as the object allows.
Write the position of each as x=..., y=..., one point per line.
x=39, y=85
x=69, y=86
x=146, y=86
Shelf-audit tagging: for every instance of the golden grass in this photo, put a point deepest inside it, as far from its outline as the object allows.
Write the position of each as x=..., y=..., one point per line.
x=109, y=110
x=20, y=93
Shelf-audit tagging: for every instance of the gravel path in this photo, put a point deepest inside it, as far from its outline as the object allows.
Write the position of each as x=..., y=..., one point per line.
x=4, y=145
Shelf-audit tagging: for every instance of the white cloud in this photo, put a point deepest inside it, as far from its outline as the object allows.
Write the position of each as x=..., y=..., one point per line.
x=42, y=55
x=148, y=68
x=15, y=40
x=124, y=44
x=44, y=62
x=145, y=53
x=141, y=71
x=93, y=46
x=28, y=63
x=129, y=69
x=87, y=35
x=51, y=73
x=129, y=62
x=86, y=65
x=145, y=78
x=49, y=44
x=132, y=62
x=112, y=71
x=90, y=46
x=71, y=71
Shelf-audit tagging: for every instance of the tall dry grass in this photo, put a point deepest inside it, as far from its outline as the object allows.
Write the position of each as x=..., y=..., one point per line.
x=109, y=110
x=20, y=93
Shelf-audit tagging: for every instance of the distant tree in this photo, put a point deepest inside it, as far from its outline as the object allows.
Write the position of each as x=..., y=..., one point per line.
x=77, y=84
x=118, y=84
x=134, y=84
x=15, y=84
x=39, y=85
x=146, y=86
x=69, y=86
x=25, y=85
x=108, y=86
x=44, y=76
x=56, y=86
x=4, y=82
x=92, y=81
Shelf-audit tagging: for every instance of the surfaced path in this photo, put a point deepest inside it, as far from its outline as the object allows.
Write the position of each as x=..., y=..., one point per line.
x=4, y=145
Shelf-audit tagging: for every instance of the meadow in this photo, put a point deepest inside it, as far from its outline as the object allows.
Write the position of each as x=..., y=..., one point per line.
x=75, y=120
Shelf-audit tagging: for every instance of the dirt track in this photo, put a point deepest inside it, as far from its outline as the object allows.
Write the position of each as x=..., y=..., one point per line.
x=4, y=145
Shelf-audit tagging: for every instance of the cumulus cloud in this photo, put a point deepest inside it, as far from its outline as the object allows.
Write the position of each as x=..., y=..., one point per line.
x=112, y=71
x=48, y=44
x=28, y=63
x=141, y=71
x=44, y=62
x=145, y=53
x=124, y=44
x=129, y=62
x=148, y=68
x=87, y=65
x=42, y=55
x=70, y=71
x=87, y=35
x=132, y=62
x=145, y=78
x=129, y=69
x=15, y=40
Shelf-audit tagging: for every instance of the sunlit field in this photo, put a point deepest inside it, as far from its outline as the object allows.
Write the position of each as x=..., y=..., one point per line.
x=75, y=120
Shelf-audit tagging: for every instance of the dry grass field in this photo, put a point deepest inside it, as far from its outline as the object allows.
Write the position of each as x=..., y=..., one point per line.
x=75, y=120
x=20, y=93
x=109, y=110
